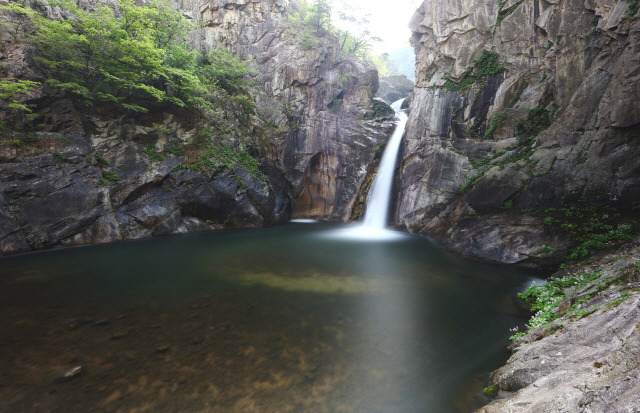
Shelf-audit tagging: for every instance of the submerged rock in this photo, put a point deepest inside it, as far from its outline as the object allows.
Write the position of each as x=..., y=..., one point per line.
x=69, y=374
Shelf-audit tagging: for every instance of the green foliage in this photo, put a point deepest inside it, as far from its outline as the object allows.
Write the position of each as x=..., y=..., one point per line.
x=545, y=250
x=108, y=176
x=335, y=104
x=537, y=121
x=311, y=20
x=545, y=298
x=593, y=226
x=134, y=57
x=383, y=65
x=154, y=156
x=230, y=158
x=227, y=71
x=311, y=17
x=633, y=10
x=491, y=391
x=523, y=152
x=345, y=78
x=11, y=88
x=617, y=302
x=101, y=160
x=11, y=91
x=18, y=23
x=484, y=66
x=503, y=13
x=499, y=118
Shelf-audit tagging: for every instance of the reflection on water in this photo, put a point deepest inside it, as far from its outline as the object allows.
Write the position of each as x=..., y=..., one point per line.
x=288, y=319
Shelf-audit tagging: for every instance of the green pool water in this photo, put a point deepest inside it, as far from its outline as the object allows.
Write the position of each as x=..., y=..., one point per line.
x=287, y=319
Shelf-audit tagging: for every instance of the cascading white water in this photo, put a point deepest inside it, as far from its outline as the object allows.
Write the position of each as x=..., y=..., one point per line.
x=373, y=226
x=379, y=196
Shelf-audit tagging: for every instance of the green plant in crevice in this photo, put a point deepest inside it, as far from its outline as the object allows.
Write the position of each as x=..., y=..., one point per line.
x=484, y=66
x=503, y=13
x=345, y=78
x=491, y=391
x=108, y=176
x=546, y=249
x=230, y=158
x=153, y=156
x=60, y=157
x=498, y=119
x=634, y=6
x=101, y=160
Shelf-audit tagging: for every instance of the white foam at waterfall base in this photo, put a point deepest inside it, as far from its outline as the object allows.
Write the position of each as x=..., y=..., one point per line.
x=374, y=223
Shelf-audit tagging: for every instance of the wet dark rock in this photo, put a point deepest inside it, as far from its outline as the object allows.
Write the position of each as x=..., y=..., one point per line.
x=554, y=126
x=117, y=335
x=163, y=349
x=69, y=374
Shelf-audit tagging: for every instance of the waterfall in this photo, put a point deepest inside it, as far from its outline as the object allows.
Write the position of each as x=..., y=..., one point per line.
x=373, y=226
x=377, y=210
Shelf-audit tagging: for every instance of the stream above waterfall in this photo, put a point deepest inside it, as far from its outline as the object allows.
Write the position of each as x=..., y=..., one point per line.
x=283, y=319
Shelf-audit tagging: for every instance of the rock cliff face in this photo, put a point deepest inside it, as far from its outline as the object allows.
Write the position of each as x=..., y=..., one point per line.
x=519, y=106
x=101, y=187
x=393, y=88
x=97, y=179
x=320, y=96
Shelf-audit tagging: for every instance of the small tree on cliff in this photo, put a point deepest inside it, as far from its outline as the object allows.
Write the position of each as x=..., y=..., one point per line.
x=355, y=38
x=316, y=16
x=322, y=15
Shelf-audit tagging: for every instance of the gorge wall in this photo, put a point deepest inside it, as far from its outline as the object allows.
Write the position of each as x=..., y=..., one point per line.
x=519, y=106
x=89, y=176
x=321, y=96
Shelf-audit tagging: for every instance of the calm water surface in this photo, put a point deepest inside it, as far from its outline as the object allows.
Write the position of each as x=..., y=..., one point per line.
x=288, y=319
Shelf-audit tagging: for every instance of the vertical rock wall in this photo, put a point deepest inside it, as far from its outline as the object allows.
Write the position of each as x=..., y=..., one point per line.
x=321, y=97
x=519, y=105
